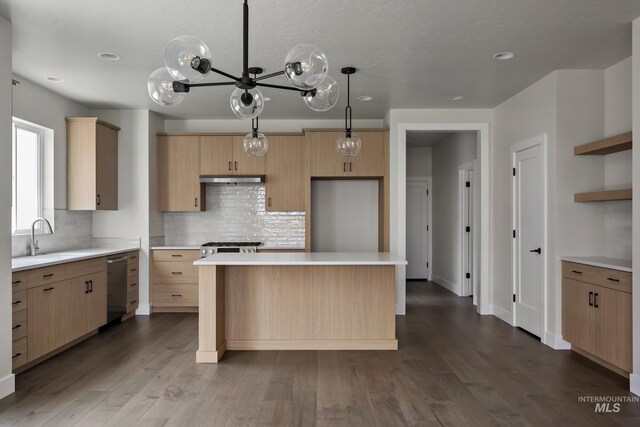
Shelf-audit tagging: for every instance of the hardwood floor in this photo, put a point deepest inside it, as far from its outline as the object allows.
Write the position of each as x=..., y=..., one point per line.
x=454, y=368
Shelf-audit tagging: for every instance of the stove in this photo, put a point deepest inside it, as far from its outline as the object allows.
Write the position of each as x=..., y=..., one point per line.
x=211, y=248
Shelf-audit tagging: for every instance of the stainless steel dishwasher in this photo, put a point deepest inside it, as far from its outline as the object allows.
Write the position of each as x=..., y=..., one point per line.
x=116, y=286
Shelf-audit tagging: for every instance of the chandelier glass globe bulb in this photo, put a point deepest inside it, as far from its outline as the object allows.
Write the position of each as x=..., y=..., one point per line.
x=188, y=58
x=306, y=66
x=255, y=144
x=160, y=88
x=247, y=104
x=324, y=97
x=349, y=144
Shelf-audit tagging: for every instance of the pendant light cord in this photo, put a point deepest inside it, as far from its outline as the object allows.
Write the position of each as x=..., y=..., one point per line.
x=347, y=110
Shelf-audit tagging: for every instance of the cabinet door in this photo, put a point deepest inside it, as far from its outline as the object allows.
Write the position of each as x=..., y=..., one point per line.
x=244, y=164
x=96, y=307
x=578, y=316
x=370, y=161
x=216, y=155
x=285, y=184
x=179, y=187
x=613, y=327
x=106, y=168
x=76, y=307
x=325, y=159
x=48, y=318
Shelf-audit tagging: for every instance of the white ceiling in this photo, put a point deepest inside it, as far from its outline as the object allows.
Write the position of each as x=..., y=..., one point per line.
x=410, y=53
x=425, y=138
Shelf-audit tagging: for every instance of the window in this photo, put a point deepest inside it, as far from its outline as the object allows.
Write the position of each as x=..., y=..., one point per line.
x=27, y=174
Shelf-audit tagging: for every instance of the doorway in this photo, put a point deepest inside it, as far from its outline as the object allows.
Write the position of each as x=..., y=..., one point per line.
x=418, y=228
x=468, y=236
x=529, y=223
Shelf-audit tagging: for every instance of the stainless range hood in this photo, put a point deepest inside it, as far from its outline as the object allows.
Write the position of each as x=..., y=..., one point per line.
x=212, y=180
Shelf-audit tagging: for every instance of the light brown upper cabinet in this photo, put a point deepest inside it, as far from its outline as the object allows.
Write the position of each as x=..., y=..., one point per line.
x=285, y=184
x=92, y=164
x=327, y=162
x=179, y=188
x=224, y=155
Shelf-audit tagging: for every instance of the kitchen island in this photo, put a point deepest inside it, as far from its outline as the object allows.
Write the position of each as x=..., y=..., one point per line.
x=296, y=301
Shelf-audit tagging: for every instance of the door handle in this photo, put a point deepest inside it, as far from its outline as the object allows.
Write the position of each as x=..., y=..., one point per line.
x=269, y=201
x=235, y=165
x=595, y=300
x=17, y=282
x=612, y=279
x=16, y=355
x=16, y=302
x=344, y=167
x=86, y=287
x=538, y=251
x=98, y=200
x=177, y=273
x=350, y=167
x=16, y=327
x=576, y=271
x=229, y=165
x=196, y=202
x=590, y=299
x=90, y=285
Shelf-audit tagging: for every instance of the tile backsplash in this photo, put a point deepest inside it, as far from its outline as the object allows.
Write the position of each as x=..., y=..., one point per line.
x=236, y=213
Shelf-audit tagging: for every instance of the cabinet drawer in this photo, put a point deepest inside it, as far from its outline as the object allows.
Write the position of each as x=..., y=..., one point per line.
x=19, y=325
x=132, y=304
x=132, y=290
x=175, y=272
x=132, y=279
x=83, y=268
x=19, y=281
x=46, y=275
x=183, y=295
x=19, y=301
x=609, y=278
x=178, y=255
x=133, y=269
x=19, y=353
x=134, y=256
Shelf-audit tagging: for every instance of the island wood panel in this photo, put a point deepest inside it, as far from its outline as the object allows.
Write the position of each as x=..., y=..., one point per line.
x=310, y=303
x=211, y=321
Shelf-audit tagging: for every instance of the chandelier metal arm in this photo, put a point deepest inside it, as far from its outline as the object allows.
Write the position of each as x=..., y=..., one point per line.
x=268, y=76
x=227, y=75
x=282, y=87
x=190, y=85
x=245, y=50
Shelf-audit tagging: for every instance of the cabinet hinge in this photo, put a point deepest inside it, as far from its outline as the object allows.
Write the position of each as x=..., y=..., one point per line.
x=514, y=297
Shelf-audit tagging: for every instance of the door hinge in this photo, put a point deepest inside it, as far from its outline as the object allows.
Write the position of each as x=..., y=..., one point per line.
x=427, y=228
x=427, y=265
x=468, y=183
x=468, y=229
x=514, y=171
x=514, y=234
x=427, y=192
x=468, y=275
x=514, y=297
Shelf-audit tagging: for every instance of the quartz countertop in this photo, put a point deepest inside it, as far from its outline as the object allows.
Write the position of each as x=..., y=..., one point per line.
x=175, y=247
x=600, y=261
x=45, y=260
x=297, y=258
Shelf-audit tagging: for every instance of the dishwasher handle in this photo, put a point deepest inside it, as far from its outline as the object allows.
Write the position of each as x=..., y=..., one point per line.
x=119, y=259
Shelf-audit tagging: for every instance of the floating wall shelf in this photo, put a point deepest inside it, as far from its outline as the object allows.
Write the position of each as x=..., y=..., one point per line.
x=610, y=145
x=603, y=196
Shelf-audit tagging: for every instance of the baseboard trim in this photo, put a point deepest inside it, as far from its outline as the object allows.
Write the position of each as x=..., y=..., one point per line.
x=456, y=289
x=634, y=384
x=382, y=344
x=555, y=341
x=503, y=314
x=7, y=385
x=143, y=310
x=211, y=356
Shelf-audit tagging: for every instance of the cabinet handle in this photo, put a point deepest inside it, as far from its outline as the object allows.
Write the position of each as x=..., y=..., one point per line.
x=269, y=201
x=176, y=255
x=612, y=279
x=16, y=282
x=16, y=302
x=235, y=165
x=86, y=287
x=133, y=270
x=177, y=273
x=48, y=289
x=576, y=271
x=17, y=354
x=595, y=300
x=196, y=202
x=134, y=301
x=344, y=167
x=350, y=165
x=46, y=276
x=133, y=285
x=16, y=327
x=590, y=299
x=176, y=295
x=229, y=165
x=98, y=200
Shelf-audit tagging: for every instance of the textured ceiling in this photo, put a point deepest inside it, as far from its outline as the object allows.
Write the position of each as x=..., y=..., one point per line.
x=410, y=54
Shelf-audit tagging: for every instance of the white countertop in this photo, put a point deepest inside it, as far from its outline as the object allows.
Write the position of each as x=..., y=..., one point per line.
x=601, y=261
x=29, y=262
x=175, y=247
x=298, y=258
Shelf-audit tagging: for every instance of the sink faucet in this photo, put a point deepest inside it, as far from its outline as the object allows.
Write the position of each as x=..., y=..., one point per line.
x=33, y=244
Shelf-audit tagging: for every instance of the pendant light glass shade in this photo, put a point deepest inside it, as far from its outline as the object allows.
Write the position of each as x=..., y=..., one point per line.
x=187, y=58
x=255, y=144
x=160, y=88
x=247, y=104
x=325, y=97
x=306, y=66
x=349, y=144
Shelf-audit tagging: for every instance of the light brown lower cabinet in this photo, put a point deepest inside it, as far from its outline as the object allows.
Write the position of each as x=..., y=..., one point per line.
x=175, y=280
x=596, y=314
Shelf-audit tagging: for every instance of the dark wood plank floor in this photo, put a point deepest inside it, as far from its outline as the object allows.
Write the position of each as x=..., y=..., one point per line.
x=454, y=368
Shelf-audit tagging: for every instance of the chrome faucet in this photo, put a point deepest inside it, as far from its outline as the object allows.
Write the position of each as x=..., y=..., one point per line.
x=33, y=244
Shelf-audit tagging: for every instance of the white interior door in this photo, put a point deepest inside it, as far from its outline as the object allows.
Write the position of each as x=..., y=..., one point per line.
x=418, y=229
x=529, y=238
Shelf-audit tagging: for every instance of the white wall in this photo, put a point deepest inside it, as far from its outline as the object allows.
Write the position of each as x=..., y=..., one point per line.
x=7, y=385
x=448, y=154
x=344, y=216
x=419, y=161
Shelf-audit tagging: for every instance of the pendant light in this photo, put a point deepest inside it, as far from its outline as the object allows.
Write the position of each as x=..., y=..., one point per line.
x=349, y=144
x=255, y=143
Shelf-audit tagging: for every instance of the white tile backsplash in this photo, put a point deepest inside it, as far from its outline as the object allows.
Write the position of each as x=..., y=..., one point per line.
x=618, y=229
x=236, y=213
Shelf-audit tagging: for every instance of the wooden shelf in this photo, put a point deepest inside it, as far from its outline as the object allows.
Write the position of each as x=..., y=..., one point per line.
x=610, y=145
x=603, y=196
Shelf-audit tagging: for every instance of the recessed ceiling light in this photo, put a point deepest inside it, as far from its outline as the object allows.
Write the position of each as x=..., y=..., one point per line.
x=54, y=79
x=109, y=56
x=504, y=55
x=266, y=98
x=365, y=98
x=456, y=97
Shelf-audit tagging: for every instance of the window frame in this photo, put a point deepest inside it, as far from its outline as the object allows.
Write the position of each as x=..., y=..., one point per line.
x=39, y=131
